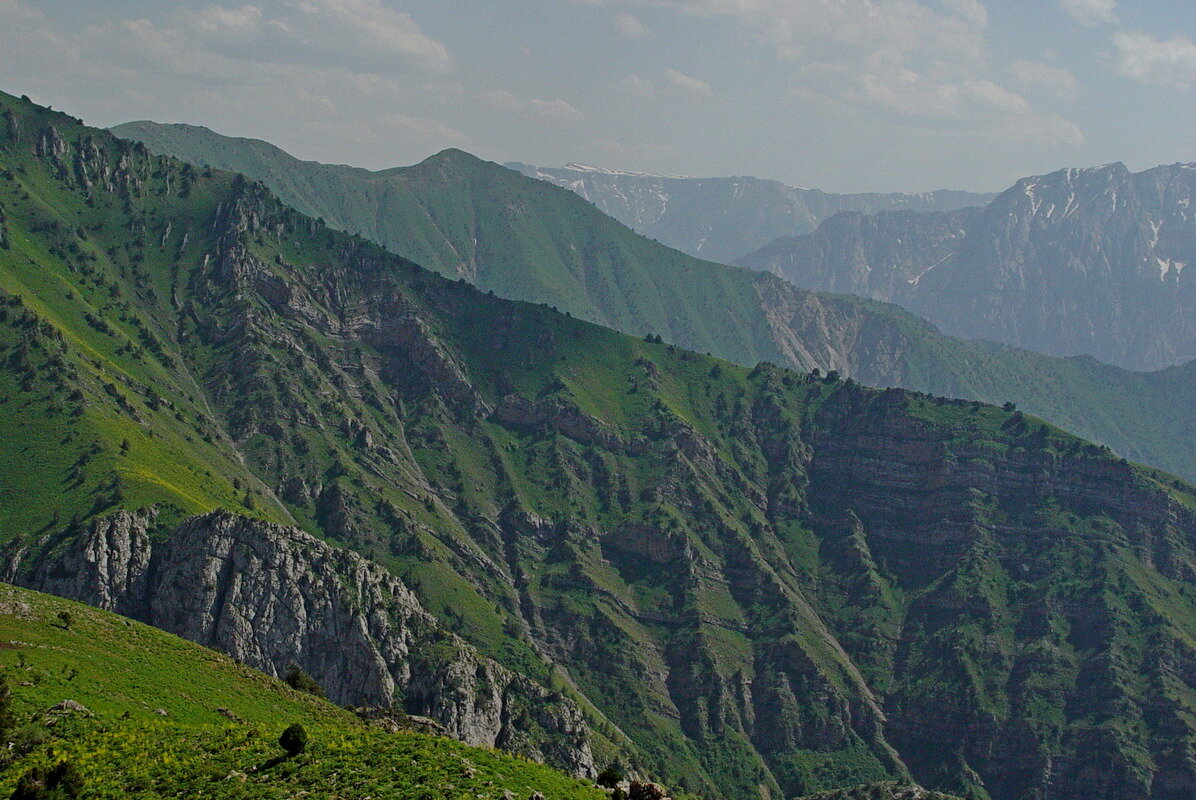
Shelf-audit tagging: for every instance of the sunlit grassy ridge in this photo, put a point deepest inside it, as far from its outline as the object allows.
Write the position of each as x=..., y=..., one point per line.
x=172, y=719
x=756, y=580
x=529, y=240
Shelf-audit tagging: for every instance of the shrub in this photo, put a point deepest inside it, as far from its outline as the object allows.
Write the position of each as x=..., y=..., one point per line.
x=293, y=739
x=612, y=776
x=59, y=781
x=66, y=619
x=298, y=679
x=8, y=719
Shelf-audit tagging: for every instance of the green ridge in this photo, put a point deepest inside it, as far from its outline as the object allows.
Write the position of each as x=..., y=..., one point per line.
x=740, y=570
x=218, y=734
x=529, y=240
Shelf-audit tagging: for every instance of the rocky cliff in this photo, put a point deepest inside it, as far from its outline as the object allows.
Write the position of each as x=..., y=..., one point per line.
x=756, y=581
x=275, y=597
x=1080, y=261
x=724, y=218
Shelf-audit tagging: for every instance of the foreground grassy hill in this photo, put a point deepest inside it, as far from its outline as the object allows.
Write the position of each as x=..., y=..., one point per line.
x=753, y=580
x=525, y=239
x=167, y=718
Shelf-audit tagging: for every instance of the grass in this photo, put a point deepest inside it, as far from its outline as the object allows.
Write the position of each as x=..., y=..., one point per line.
x=125, y=672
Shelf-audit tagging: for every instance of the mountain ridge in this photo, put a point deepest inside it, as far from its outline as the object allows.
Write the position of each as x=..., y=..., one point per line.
x=1077, y=261
x=724, y=218
x=765, y=581
x=529, y=240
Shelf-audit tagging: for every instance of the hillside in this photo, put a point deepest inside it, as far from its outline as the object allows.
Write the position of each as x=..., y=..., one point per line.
x=748, y=580
x=163, y=717
x=1075, y=262
x=724, y=218
x=525, y=239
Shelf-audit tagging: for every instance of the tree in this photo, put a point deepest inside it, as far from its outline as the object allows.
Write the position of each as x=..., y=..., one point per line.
x=298, y=679
x=59, y=781
x=293, y=739
x=1010, y=406
x=8, y=718
x=612, y=776
x=66, y=619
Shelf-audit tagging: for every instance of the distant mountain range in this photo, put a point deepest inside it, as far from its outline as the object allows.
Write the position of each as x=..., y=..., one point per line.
x=724, y=218
x=1089, y=261
x=747, y=581
x=526, y=239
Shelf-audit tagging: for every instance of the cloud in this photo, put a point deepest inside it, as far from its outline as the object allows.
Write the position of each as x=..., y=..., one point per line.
x=689, y=86
x=1142, y=58
x=1037, y=75
x=430, y=132
x=544, y=109
x=630, y=26
x=638, y=86
x=925, y=62
x=356, y=34
x=1091, y=12
x=670, y=83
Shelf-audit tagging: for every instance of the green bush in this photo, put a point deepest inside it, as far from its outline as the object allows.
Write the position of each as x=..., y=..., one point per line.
x=298, y=679
x=294, y=739
x=59, y=782
x=612, y=776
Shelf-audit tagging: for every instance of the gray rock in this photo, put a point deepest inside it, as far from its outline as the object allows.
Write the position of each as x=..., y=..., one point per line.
x=272, y=597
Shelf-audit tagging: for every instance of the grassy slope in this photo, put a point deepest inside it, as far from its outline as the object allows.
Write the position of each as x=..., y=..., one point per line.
x=526, y=239
x=123, y=672
x=1145, y=416
x=667, y=575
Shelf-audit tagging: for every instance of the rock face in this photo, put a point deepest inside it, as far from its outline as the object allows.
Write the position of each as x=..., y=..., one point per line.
x=275, y=597
x=1075, y=262
x=724, y=218
x=762, y=582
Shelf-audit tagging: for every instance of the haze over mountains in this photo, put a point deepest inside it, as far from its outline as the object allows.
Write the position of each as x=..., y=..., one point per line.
x=526, y=239
x=748, y=582
x=1078, y=261
x=721, y=219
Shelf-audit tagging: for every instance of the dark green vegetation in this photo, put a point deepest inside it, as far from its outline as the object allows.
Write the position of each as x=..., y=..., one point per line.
x=880, y=791
x=528, y=240
x=161, y=717
x=756, y=580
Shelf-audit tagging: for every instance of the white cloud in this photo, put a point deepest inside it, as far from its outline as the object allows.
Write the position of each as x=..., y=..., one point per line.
x=926, y=62
x=1037, y=75
x=1143, y=58
x=671, y=83
x=544, y=109
x=425, y=131
x=1091, y=12
x=356, y=34
x=689, y=86
x=638, y=86
x=630, y=26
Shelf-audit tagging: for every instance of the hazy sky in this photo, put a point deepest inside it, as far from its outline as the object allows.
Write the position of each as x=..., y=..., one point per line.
x=836, y=94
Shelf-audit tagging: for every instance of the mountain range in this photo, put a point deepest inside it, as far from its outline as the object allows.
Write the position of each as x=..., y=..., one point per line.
x=218, y=414
x=525, y=239
x=1080, y=261
x=721, y=219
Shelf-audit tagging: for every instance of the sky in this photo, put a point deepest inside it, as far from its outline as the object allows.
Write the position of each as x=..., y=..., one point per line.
x=842, y=95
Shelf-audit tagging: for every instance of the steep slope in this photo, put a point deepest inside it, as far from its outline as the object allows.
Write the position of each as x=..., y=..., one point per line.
x=210, y=723
x=1078, y=261
x=525, y=240
x=753, y=580
x=724, y=218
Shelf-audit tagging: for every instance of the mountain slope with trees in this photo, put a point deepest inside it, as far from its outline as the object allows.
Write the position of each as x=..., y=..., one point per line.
x=749, y=580
x=527, y=240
